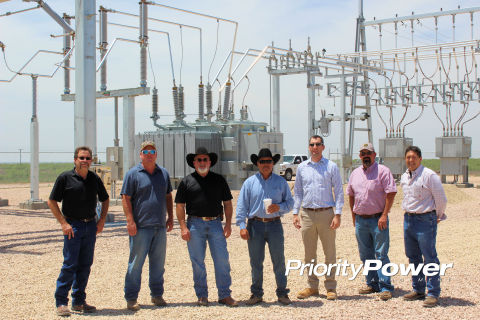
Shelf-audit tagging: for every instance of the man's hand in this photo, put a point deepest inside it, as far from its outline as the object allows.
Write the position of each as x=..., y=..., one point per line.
x=67, y=230
x=244, y=234
x=132, y=228
x=100, y=225
x=273, y=208
x=185, y=234
x=335, y=222
x=169, y=224
x=227, y=230
x=296, y=221
x=382, y=222
x=353, y=219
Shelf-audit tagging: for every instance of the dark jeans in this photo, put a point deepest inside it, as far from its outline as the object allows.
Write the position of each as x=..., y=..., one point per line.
x=420, y=232
x=271, y=233
x=78, y=258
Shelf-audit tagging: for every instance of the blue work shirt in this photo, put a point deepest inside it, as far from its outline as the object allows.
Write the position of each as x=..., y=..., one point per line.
x=254, y=190
x=314, y=183
x=147, y=192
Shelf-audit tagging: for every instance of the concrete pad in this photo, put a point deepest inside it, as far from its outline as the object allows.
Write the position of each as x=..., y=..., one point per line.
x=34, y=205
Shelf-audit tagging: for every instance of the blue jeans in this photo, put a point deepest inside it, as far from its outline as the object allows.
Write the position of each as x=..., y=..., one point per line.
x=211, y=231
x=271, y=233
x=373, y=244
x=151, y=242
x=77, y=260
x=420, y=233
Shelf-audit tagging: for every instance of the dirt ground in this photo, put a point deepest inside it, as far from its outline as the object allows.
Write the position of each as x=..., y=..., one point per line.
x=31, y=257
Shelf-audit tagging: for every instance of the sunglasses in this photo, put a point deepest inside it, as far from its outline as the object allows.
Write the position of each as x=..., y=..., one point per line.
x=202, y=159
x=318, y=144
x=149, y=151
x=265, y=161
x=365, y=153
x=85, y=158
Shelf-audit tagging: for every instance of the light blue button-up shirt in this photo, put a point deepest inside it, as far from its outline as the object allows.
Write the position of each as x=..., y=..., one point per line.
x=254, y=190
x=314, y=183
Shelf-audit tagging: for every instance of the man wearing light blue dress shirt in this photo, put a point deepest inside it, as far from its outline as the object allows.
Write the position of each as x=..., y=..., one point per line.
x=320, y=214
x=264, y=224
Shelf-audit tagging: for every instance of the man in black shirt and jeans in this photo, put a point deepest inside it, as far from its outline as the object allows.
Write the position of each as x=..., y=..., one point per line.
x=77, y=189
x=202, y=194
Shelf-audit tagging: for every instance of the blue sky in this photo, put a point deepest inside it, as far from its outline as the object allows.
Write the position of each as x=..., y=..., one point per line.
x=329, y=24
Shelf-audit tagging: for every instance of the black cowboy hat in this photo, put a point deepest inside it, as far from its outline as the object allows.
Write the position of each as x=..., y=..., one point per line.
x=202, y=150
x=264, y=153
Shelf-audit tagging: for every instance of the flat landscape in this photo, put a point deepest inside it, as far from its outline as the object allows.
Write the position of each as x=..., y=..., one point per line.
x=31, y=257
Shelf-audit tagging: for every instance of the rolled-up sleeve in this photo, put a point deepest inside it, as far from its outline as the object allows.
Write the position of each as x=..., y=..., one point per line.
x=438, y=196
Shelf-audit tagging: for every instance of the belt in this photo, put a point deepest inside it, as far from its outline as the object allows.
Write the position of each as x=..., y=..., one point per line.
x=417, y=214
x=265, y=219
x=82, y=220
x=205, y=218
x=369, y=216
x=316, y=209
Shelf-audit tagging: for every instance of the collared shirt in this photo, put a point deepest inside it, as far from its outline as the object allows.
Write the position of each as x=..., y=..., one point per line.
x=423, y=192
x=254, y=190
x=78, y=195
x=147, y=192
x=370, y=187
x=203, y=196
x=314, y=183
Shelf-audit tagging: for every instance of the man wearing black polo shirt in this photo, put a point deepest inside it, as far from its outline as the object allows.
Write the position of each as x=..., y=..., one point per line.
x=202, y=194
x=77, y=189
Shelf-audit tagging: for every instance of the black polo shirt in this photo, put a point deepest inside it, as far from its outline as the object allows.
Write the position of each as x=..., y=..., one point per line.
x=78, y=196
x=203, y=196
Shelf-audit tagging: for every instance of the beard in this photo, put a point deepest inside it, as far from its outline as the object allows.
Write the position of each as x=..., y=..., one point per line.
x=202, y=170
x=367, y=161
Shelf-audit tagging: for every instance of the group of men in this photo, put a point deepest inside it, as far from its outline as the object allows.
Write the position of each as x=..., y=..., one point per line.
x=203, y=200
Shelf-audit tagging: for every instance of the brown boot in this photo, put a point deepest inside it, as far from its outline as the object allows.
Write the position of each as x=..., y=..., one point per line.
x=307, y=292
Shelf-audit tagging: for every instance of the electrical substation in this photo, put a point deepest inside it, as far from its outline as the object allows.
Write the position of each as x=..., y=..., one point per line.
x=390, y=85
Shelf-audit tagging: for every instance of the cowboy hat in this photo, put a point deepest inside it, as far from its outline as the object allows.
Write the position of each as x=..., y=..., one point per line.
x=202, y=150
x=264, y=153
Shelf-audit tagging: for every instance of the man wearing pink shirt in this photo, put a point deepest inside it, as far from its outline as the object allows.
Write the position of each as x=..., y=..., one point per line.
x=371, y=190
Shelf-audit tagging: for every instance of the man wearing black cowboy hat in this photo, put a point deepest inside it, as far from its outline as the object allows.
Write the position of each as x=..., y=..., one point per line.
x=201, y=195
x=263, y=199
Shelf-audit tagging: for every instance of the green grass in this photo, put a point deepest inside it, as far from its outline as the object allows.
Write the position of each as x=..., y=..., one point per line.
x=434, y=164
x=20, y=173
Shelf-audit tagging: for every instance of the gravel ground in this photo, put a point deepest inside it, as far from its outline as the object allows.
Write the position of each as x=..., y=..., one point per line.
x=31, y=256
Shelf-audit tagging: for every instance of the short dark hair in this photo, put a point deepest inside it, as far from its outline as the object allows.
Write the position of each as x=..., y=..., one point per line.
x=414, y=149
x=82, y=148
x=315, y=136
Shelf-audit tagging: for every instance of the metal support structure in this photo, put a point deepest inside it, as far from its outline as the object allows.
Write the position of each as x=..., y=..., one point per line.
x=66, y=48
x=85, y=123
x=343, y=101
x=128, y=132
x=103, y=44
x=34, y=145
x=116, y=140
x=275, y=116
x=143, y=42
x=311, y=104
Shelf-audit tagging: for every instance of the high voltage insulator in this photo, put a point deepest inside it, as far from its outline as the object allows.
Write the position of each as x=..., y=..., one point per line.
x=175, y=103
x=208, y=99
x=181, y=100
x=226, y=100
x=200, y=102
x=154, y=102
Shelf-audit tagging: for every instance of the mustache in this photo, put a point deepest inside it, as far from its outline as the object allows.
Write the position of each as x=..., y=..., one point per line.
x=367, y=160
